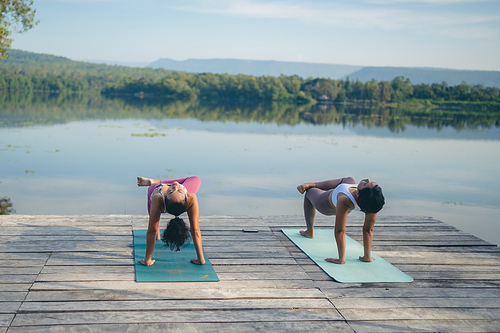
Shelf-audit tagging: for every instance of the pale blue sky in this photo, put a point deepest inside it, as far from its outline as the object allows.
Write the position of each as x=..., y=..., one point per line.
x=461, y=34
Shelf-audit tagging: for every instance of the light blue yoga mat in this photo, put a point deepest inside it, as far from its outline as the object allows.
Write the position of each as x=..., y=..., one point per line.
x=170, y=266
x=323, y=246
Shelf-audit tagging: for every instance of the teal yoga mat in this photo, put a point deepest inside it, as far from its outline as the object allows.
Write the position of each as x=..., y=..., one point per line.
x=170, y=266
x=323, y=246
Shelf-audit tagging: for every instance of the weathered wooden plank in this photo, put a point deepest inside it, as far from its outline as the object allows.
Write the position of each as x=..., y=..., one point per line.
x=450, y=268
x=420, y=314
x=66, y=220
x=252, y=261
x=67, y=246
x=64, y=238
x=440, y=325
x=454, y=275
x=241, y=327
x=42, y=230
x=25, y=256
x=207, y=293
x=17, y=278
x=279, y=275
x=179, y=305
x=14, y=265
x=158, y=287
x=14, y=287
x=91, y=258
x=439, y=258
x=13, y=296
x=9, y=307
x=6, y=318
x=409, y=292
x=449, y=249
x=431, y=302
x=20, y=270
x=291, y=269
x=124, y=275
x=115, y=317
x=415, y=284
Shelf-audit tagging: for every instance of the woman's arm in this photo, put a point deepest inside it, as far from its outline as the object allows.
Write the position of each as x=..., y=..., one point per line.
x=194, y=216
x=368, y=237
x=344, y=204
x=153, y=229
x=325, y=185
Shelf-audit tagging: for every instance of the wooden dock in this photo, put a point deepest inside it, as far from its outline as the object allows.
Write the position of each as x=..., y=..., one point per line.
x=76, y=274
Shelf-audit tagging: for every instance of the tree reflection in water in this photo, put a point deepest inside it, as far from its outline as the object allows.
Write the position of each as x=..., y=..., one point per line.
x=29, y=109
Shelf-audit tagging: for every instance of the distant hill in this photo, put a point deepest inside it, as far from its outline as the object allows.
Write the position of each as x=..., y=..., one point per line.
x=256, y=67
x=118, y=63
x=20, y=57
x=305, y=70
x=452, y=77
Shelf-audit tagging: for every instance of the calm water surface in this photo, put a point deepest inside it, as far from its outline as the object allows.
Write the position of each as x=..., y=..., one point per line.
x=250, y=168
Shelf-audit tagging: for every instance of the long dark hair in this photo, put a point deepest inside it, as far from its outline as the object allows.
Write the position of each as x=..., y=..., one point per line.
x=176, y=234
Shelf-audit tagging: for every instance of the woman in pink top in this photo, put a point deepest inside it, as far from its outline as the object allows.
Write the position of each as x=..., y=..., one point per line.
x=339, y=197
x=174, y=196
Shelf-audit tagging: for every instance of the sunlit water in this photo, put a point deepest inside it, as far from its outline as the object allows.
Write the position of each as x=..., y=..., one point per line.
x=89, y=167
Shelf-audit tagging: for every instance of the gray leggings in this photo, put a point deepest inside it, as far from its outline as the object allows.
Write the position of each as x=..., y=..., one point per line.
x=318, y=198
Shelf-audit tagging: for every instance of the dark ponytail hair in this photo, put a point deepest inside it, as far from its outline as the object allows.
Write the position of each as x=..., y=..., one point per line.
x=371, y=200
x=176, y=234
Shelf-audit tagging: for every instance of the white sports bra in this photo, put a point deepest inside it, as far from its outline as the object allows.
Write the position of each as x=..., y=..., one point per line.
x=343, y=188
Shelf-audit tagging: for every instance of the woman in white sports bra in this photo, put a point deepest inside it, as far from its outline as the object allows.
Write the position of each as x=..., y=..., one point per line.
x=339, y=197
x=174, y=196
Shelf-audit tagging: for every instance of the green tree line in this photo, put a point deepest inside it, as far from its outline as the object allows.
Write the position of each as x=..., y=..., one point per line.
x=293, y=88
x=31, y=72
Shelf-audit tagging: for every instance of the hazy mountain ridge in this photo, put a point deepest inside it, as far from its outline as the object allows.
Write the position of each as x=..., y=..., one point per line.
x=256, y=67
x=417, y=75
x=275, y=68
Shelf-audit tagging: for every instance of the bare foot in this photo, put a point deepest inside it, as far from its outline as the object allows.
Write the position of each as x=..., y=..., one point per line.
x=335, y=261
x=362, y=258
x=158, y=236
x=307, y=233
x=141, y=181
x=197, y=262
x=304, y=187
x=147, y=263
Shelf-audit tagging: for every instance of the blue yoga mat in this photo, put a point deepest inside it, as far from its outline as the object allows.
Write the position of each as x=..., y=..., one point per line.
x=323, y=246
x=170, y=266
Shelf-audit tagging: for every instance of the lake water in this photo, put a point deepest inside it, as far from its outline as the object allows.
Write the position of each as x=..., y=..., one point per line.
x=55, y=165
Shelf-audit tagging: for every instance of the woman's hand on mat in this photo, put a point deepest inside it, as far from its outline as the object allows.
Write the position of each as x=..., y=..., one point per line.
x=362, y=258
x=148, y=262
x=335, y=261
x=198, y=261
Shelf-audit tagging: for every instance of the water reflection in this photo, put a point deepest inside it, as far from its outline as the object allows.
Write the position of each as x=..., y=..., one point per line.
x=29, y=109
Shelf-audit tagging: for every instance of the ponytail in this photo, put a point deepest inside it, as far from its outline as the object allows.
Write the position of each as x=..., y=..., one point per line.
x=176, y=234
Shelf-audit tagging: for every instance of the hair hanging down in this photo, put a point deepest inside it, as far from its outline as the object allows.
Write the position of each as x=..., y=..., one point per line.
x=371, y=200
x=176, y=234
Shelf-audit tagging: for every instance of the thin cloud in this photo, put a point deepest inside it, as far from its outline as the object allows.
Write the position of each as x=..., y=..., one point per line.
x=357, y=16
